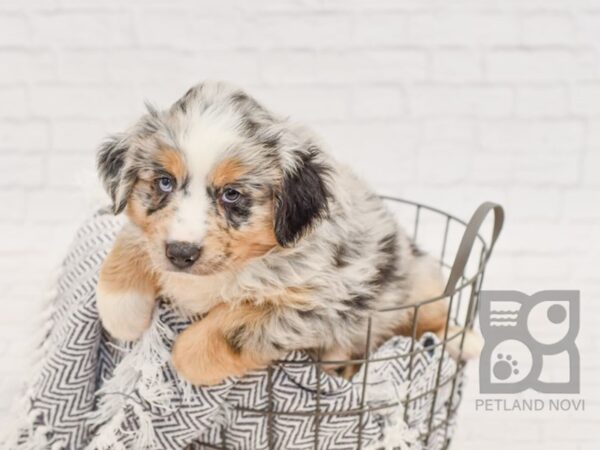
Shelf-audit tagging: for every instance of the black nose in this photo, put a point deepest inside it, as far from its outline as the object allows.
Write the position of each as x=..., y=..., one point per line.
x=182, y=254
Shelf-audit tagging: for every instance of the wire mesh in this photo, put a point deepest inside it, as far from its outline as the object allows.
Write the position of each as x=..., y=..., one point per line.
x=462, y=307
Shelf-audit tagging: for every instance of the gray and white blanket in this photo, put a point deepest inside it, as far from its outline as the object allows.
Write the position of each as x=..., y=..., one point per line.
x=91, y=392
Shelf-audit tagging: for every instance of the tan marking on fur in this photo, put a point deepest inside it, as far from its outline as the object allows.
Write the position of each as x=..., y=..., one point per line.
x=135, y=210
x=154, y=224
x=298, y=298
x=127, y=287
x=433, y=317
x=256, y=239
x=427, y=285
x=194, y=294
x=173, y=163
x=226, y=172
x=127, y=267
x=253, y=242
x=202, y=355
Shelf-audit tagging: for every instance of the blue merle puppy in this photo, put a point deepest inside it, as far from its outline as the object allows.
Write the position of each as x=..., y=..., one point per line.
x=239, y=215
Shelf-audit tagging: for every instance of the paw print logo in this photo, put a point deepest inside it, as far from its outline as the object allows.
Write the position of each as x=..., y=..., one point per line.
x=511, y=361
x=524, y=333
x=505, y=367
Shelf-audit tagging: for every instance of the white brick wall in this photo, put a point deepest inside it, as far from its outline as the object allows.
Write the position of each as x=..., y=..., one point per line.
x=448, y=103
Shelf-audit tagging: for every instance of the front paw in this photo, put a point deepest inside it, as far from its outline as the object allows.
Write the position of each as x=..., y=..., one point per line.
x=125, y=315
x=204, y=358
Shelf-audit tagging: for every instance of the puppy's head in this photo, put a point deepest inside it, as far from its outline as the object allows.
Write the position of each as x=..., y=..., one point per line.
x=215, y=180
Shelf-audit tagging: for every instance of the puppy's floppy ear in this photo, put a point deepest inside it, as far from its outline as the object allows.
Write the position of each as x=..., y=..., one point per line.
x=118, y=179
x=303, y=197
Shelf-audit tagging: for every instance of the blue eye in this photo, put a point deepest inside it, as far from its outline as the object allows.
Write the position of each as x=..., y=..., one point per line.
x=230, y=195
x=165, y=184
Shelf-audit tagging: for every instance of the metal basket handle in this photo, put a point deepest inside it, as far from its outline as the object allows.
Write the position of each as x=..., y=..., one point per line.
x=468, y=239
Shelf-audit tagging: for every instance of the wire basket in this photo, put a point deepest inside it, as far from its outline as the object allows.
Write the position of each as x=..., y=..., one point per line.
x=463, y=253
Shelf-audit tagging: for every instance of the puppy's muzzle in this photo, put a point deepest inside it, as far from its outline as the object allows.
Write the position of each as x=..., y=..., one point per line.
x=182, y=254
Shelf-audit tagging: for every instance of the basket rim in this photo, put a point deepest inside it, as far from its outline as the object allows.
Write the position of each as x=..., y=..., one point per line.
x=460, y=286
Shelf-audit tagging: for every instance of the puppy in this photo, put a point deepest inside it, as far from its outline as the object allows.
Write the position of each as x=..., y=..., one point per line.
x=240, y=215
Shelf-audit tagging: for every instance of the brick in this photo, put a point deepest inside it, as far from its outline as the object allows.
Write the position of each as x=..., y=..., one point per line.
x=443, y=163
x=589, y=25
x=283, y=67
x=542, y=137
x=353, y=138
x=378, y=102
x=14, y=30
x=528, y=204
x=22, y=171
x=582, y=236
x=454, y=129
x=541, y=268
x=23, y=239
x=160, y=94
x=457, y=65
x=79, y=66
x=355, y=144
x=549, y=29
x=585, y=99
x=13, y=205
x=70, y=101
x=376, y=29
x=484, y=101
x=180, y=70
x=79, y=135
x=582, y=205
x=13, y=102
x=57, y=205
x=327, y=30
x=237, y=66
x=586, y=276
x=24, y=136
x=539, y=65
x=309, y=67
x=25, y=299
x=27, y=65
x=541, y=101
x=185, y=30
x=593, y=138
x=472, y=29
x=527, y=435
x=169, y=67
x=339, y=66
x=585, y=429
x=296, y=6
x=391, y=65
x=461, y=199
x=549, y=170
x=22, y=269
x=182, y=6
x=531, y=237
x=16, y=6
x=591, y=167
x=307, y=103
x=82, y=30
x=393, y=5
x=146, y=64
x=77, y=171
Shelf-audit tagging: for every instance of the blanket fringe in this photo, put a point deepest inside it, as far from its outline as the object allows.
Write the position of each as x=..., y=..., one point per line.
x=137, y=376
x=22, y=432
x=397, y=434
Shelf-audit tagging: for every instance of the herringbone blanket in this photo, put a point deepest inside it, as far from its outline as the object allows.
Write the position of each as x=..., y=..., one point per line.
x=91, y=392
